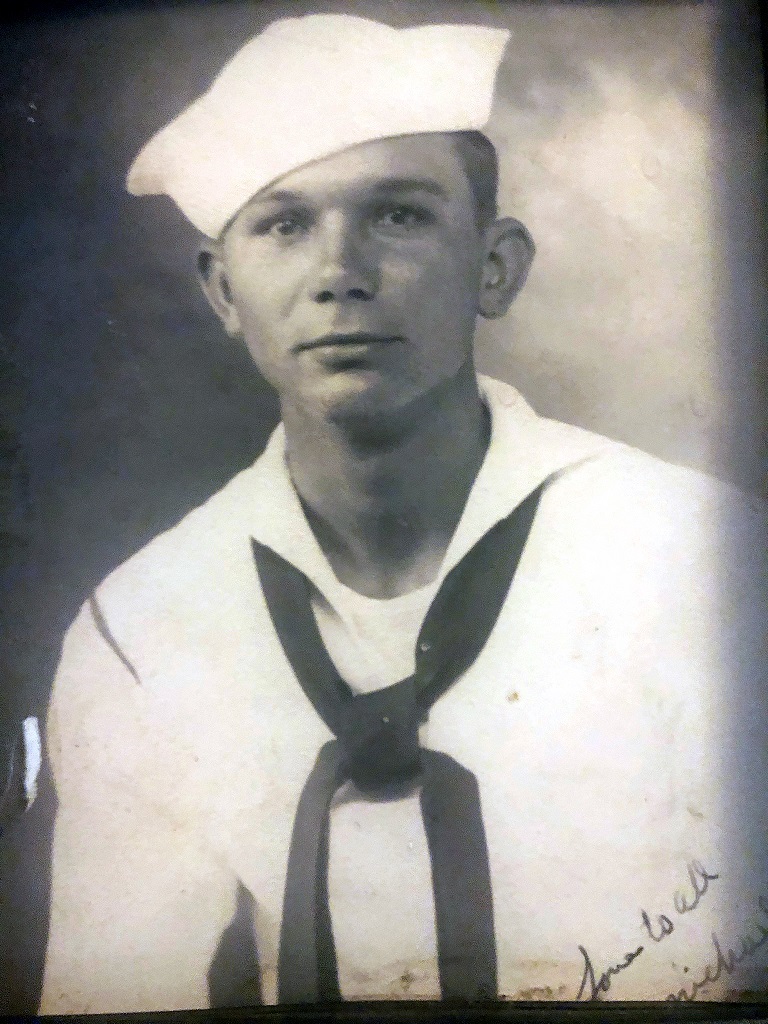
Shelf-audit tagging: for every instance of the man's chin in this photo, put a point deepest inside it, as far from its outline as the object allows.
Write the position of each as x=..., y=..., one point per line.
x=358, y=394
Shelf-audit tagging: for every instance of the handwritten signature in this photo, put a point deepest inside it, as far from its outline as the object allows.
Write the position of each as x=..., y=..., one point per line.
x=596, y=986
x=657, y=930
x=699, y=878
x=726, y=963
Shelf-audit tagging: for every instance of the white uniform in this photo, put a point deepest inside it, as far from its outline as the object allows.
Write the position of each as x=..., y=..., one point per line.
x=615, y=721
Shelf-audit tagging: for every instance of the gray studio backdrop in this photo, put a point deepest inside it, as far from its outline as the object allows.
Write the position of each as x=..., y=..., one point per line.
x=632, y=144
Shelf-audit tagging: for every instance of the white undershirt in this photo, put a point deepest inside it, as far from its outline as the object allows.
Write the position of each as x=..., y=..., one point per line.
x=371, y=641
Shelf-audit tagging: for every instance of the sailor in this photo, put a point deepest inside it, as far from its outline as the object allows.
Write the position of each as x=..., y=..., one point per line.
x=439, y=698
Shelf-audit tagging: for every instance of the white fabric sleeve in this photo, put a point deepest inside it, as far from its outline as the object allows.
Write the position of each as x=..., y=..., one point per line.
x=139, y=901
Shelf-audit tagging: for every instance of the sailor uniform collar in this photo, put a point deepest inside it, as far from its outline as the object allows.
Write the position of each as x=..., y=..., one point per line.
x=524, y=451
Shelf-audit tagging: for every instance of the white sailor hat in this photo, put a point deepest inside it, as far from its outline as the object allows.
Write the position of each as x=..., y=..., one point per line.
x=308, y=87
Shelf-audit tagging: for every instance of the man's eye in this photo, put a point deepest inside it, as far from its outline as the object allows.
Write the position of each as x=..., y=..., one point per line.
x=403, y=217
x=286, y=226
x=283, y=227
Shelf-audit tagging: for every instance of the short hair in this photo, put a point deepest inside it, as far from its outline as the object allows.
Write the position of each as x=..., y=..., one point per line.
x=481, y=165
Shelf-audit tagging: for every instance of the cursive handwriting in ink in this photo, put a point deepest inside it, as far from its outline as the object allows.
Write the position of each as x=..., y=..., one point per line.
x=700, y=879
x=664, y=924
x=657, y=931
x=604, y=983
x=725, y=963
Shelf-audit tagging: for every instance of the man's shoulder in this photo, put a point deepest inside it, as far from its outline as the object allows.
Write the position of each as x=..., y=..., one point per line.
x=615, y=472
x=631, y=511
x=200, y=551
x=590, y=468
x=618, y=472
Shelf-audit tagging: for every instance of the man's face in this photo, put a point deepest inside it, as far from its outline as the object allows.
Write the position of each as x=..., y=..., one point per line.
x=354, y=280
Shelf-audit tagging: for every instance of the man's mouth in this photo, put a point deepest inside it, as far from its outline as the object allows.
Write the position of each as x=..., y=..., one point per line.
x=355, y=340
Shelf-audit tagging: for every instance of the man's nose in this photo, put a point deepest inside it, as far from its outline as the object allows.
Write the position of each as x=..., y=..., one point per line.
x=346, y=270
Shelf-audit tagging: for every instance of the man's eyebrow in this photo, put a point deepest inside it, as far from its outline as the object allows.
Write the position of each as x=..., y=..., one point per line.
x=280, y=195
x=411, y=185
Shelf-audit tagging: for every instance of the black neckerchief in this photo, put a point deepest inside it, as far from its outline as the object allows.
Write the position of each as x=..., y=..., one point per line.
x=377, y=748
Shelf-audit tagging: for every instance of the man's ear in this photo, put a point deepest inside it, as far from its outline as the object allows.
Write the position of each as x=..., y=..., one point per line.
x=215, y=285
x=509, y=254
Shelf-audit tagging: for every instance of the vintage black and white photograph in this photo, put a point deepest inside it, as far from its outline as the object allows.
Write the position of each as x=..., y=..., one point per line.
x=384, y=565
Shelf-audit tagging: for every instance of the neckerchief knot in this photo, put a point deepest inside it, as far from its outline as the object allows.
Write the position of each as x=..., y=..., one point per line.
x=379, y=738
x=376, y=747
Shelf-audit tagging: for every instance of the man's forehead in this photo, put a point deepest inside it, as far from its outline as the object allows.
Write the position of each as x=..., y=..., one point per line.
x=421, y=163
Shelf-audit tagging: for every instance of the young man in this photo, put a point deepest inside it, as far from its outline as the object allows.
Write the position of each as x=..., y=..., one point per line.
x=438, y=698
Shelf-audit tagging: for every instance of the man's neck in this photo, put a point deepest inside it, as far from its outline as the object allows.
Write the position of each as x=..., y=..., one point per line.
x=384, y=495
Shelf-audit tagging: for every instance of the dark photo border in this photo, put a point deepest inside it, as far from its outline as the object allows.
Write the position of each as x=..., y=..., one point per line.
x=27, y=576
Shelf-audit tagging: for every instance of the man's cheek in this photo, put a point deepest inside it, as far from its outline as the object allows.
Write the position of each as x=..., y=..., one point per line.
x=431, y=283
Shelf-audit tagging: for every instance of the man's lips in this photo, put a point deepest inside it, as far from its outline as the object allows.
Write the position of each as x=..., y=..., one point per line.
x=339, y=341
